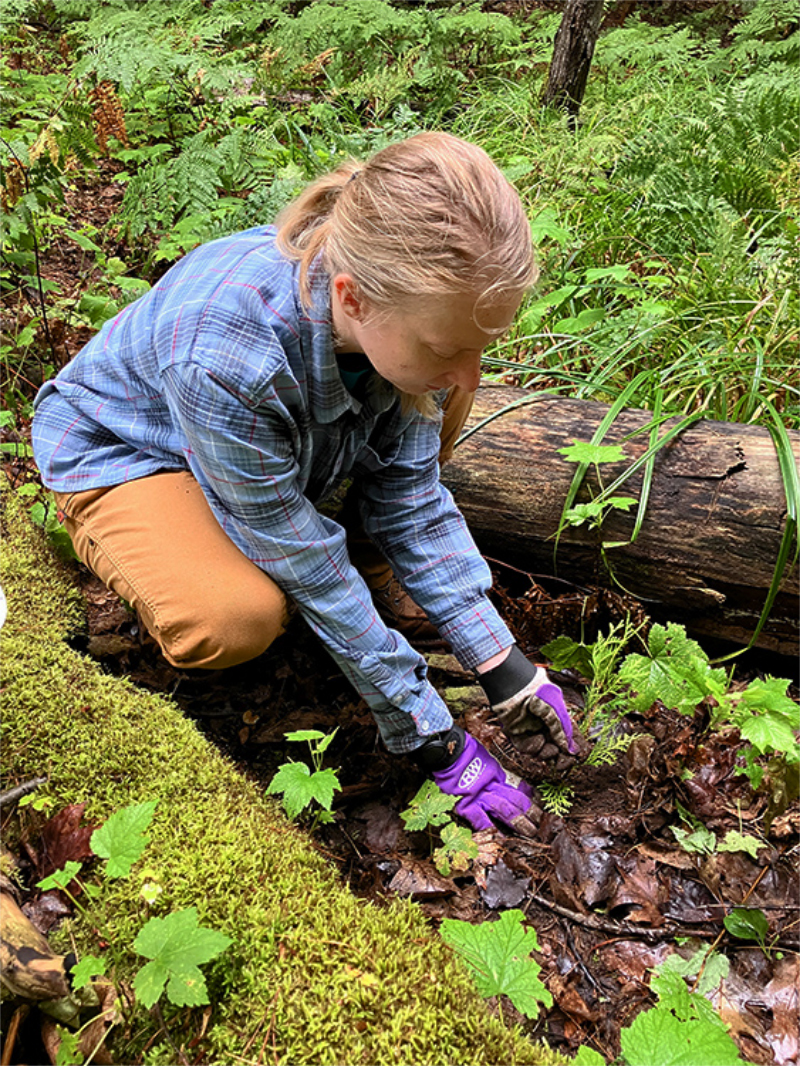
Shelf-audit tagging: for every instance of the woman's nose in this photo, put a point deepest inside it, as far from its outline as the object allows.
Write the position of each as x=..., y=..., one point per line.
x=467, y=375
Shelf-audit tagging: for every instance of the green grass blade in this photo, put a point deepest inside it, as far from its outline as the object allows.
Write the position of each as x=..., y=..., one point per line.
x=655, y=447
x=789, y=547
x=649, y=466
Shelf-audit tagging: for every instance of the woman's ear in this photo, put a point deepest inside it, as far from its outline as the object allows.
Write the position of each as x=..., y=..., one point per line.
x=347, y=297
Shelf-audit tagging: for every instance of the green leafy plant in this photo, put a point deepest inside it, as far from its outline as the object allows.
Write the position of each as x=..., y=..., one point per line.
x=498, y=955
x=748, y=923
x=683, y=1029
x=458, y=848
x=300, y=786
x=557, y=796
x=121, y=839
x=676, y=671
x=175, y=944
x=594, y=512
x=694, y=837
x=430, y=809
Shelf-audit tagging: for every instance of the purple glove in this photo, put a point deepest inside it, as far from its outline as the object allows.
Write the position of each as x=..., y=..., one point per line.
x=531, y=710
x=487, y=791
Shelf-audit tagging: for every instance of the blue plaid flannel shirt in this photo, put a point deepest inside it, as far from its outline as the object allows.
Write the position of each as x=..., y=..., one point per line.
x=220, y=369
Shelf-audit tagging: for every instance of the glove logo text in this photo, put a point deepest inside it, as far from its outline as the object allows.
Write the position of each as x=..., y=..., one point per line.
x=471, y=774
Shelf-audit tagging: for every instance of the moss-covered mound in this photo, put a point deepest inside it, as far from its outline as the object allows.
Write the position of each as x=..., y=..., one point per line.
x=314, y=974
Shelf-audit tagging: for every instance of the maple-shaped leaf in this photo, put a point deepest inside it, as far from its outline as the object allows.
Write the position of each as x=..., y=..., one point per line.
x=658, y=1038
x=677, y=672
x=736, y=841
x=121, y=838
x=430, y=806
x=458, y=847
x=582, y=451
x=177, y=945
x=770, y=694
x=498, y=954
x=90, y=966
x=300, y=787
x=767, y=717
x=705, y=967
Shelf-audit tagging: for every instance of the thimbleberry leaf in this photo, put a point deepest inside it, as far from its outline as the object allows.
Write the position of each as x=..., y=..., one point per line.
x=121, y=838
x=499, y=956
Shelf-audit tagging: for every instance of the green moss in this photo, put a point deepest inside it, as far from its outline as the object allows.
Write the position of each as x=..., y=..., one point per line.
x=315, y=975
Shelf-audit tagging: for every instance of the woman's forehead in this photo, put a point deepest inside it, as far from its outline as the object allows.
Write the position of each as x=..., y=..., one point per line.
x=455, y=317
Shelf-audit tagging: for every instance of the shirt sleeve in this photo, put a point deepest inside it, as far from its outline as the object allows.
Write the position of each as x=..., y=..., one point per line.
x=243, y=458
x=416, y=523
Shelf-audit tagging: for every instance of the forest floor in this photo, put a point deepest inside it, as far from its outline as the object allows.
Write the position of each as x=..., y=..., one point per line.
x=607, y=888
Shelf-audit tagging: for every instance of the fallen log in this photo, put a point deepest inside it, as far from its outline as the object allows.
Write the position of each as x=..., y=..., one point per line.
x=706, y=552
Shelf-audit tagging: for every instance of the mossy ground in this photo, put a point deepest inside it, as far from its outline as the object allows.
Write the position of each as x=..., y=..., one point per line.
x=314, y=975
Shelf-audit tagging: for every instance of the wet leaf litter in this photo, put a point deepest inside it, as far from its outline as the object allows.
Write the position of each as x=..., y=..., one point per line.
x=607, y=885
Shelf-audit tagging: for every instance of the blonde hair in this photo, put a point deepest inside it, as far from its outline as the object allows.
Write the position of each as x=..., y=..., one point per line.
x=427, y=217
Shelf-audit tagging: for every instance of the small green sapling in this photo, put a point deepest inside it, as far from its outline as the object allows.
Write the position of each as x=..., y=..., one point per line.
x=300, y=786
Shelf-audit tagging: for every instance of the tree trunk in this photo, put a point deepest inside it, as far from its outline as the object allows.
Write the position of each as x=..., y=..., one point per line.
x=572, y=54
x=706, y=552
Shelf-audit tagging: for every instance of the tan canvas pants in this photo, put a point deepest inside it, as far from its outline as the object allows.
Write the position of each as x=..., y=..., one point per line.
x=157, y=544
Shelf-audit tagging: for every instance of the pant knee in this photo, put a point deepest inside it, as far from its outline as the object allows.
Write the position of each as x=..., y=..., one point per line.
x=223, y=634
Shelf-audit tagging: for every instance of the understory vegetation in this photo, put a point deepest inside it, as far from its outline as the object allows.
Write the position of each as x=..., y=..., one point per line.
x=666, y=229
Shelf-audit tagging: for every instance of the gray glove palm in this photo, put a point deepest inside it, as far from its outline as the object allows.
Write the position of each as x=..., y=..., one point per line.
x=531, y=710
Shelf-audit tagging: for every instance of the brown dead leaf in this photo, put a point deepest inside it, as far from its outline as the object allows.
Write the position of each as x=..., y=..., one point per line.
x=781, y=997
x=63, y=839
x=786, y=825
x=420, y=881
x=489, y=851
x=504, y=888
x=638, y=759
x=641, y=887
x=96, y=1031
x=675, y=857
x=47, y=911
x=382, y=827
x=633, y=959
x=570, y=1000
x=583, y=869
x=731, y=1001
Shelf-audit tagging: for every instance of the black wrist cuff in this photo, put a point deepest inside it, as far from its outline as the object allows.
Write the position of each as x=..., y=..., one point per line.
x=507, y=679
x=441, y=750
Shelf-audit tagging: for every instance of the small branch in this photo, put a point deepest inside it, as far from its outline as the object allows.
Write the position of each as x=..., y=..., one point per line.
x=16, y=793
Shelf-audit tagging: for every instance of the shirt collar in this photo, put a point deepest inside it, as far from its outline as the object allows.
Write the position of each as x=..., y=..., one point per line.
x=327, y=394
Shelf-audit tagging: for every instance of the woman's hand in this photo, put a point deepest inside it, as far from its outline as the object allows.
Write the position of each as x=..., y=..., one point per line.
x=530, y=708
x=461, y=766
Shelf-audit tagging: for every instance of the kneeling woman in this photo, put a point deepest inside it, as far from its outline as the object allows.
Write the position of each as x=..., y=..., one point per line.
x=192, y=440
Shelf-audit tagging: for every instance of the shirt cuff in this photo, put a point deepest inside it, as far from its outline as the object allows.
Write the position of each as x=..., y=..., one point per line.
x=477, y=634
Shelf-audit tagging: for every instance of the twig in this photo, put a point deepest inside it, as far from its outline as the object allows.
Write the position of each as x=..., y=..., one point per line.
x=17, y=1018
x=582, y=965
x=13, y=794
x=593, y=921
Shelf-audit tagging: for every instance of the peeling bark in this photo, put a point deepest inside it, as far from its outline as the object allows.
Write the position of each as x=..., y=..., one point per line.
x=706, y=552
